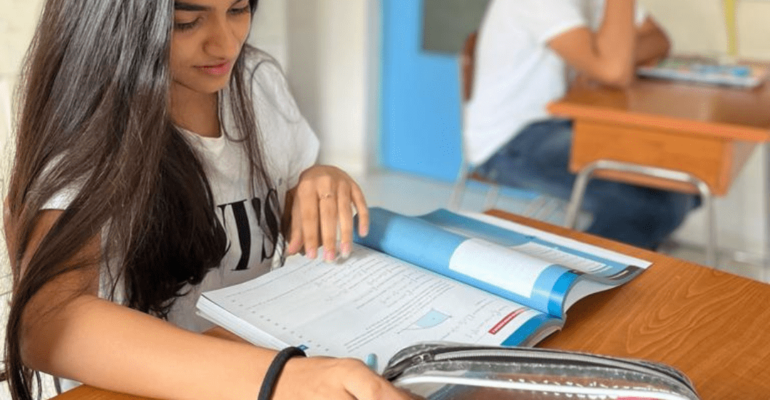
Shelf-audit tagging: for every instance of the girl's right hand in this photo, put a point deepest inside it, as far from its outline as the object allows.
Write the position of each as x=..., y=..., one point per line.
x=333, y=378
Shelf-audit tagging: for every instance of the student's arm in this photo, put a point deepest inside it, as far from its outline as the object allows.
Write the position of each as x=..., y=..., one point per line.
x=652, y=43
x=608, y=55
x=69, y=332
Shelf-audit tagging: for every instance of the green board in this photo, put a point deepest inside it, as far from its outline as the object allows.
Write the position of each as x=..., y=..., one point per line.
x=446, y=23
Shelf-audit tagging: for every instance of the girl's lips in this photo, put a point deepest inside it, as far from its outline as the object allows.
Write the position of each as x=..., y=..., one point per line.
x=217, y=70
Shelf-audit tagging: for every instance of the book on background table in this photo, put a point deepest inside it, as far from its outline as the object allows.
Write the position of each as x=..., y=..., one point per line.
x=441, y=276
x=706, y=71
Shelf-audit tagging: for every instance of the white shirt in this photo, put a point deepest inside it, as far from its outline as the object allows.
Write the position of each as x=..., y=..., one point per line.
x=289, y=147
x=516, y=73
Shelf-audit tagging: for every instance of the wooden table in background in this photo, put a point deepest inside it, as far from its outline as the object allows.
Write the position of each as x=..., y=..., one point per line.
x=712, y=325
x=706, y=131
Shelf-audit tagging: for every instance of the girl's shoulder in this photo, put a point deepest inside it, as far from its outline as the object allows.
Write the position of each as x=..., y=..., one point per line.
x=268, y=84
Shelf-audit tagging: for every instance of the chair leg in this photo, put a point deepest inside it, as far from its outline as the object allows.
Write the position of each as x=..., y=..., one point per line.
x=581, y=182
x=457, y=195
x=550, y=209
x=707, y=200
x=765, y=276
x=533, y=208
x=491, y=198
x=456, y=199
x=576, y=198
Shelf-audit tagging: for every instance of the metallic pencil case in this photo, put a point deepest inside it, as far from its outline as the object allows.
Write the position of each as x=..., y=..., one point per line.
x=438, y=371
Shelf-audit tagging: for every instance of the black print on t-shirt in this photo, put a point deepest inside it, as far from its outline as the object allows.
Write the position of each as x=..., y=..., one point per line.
x=268, y=218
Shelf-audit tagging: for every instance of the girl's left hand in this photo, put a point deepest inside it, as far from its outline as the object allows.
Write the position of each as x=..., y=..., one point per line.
x=322, y=201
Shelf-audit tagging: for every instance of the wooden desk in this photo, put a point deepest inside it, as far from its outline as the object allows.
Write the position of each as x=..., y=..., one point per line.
x=708, y=132
x=712, y=325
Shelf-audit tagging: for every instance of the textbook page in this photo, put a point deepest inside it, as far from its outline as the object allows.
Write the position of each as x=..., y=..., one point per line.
x=600, y=264
x=583, y=257
x=543, y=271
x=371, y=303
x=590, y=269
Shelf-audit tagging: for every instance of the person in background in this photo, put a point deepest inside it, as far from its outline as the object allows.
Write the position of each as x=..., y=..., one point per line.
x=527, y=52
x=158, y=156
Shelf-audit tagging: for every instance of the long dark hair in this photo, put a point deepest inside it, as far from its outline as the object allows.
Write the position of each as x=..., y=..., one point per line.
x=95, y=116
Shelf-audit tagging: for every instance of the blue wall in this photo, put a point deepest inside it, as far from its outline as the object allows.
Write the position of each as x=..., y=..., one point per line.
x=420, y=104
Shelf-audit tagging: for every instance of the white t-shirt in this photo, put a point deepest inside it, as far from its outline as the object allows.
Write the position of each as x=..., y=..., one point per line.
x=516, y=73
x=289, y=147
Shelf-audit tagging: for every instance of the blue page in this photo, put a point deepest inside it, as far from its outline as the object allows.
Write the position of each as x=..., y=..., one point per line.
x=613, y=273
x=422, y=243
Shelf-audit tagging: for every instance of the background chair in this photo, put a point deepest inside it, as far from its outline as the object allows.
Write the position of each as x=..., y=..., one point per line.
x=539, y=206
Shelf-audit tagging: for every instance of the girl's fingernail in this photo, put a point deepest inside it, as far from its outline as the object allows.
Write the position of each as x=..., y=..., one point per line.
x=328, y=256
x=345, y=249
x=311, y=253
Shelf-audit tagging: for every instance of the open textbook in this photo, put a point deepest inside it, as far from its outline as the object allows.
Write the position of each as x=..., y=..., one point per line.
x=442, y=276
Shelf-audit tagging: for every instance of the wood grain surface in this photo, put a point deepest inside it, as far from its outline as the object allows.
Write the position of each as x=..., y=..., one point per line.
x=731, y=113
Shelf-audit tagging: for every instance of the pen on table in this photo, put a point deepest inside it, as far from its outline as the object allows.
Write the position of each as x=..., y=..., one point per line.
x=371, y=361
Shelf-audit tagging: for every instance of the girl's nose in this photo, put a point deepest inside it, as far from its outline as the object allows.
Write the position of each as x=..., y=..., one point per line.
x=223, y=41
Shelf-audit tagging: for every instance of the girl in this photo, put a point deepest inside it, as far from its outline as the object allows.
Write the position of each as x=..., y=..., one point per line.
x=157, y=156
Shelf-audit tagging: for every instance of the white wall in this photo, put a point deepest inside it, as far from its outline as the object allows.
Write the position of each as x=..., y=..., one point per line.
x=698, y=26
x=328, y=55
x=325, y=47
x=753, y=29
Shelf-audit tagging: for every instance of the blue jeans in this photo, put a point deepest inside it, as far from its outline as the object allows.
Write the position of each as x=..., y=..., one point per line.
x=537, y=159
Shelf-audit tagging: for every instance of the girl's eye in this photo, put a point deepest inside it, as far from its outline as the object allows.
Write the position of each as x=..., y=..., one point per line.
x=183, y=26
x=241, y=10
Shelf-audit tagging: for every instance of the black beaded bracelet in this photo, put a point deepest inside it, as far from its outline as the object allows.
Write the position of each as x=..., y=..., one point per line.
x=274, y=371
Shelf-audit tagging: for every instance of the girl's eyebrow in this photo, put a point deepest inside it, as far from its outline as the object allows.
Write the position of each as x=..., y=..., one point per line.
x=182, y=6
